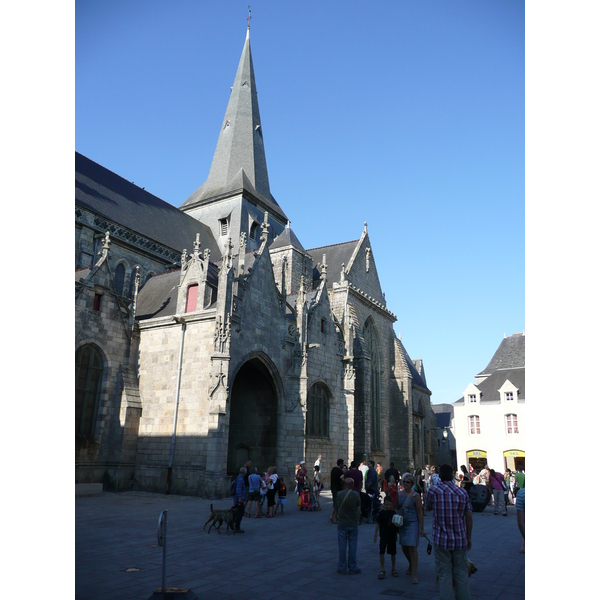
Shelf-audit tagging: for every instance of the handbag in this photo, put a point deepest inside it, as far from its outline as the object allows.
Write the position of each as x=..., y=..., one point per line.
x=398, y=520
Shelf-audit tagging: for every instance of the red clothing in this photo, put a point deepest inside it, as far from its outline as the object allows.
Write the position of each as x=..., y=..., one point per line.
x=392, y=491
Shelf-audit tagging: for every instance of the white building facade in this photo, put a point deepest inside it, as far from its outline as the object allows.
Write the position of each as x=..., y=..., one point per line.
x=489, y=420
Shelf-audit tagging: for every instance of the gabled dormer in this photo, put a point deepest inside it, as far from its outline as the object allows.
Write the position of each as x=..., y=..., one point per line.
x=508, y=393
x=194, y=291
x=472, y=395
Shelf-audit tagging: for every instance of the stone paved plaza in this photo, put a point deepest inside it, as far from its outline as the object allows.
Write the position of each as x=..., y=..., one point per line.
x=291, y=556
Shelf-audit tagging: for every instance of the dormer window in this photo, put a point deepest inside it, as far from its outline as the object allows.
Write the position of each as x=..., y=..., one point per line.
x=472, y=399
x=508, y=396
x=192, y=298
x=223, y=226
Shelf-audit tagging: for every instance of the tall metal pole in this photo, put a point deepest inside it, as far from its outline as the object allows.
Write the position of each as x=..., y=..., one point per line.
x=164, y=567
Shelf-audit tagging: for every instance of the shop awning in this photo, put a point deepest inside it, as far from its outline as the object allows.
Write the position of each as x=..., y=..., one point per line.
x=514, y=453
x=478, y=454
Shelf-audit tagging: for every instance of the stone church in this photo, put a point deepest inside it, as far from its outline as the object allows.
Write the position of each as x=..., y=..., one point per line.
x=207, y=335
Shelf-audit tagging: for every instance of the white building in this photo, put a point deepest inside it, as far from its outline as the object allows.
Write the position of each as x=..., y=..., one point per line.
x=489, y=420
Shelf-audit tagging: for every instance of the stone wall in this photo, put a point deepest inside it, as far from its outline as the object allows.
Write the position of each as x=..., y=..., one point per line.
x=108, y=455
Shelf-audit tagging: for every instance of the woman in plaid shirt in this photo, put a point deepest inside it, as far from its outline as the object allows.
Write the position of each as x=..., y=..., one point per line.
x=452, y=526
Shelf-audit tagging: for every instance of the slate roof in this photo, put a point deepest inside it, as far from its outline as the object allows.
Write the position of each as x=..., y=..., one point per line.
x=489, y=387
x=510, y=354
x=239, y=162
x=287, y=238
x=508, y=363
x=158, y=296
x=336, y=254
x=417, y=379
x=116, y=199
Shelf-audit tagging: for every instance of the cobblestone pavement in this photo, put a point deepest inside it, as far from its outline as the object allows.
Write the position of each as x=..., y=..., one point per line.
x=291, y=556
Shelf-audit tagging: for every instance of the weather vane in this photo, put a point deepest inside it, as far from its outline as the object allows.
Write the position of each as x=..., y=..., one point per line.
x=249, y=15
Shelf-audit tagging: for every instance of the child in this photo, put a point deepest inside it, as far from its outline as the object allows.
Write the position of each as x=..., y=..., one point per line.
x=318, y=486
x=263, y=494
x=281, y=493
x=392, y=491
x=388, y=534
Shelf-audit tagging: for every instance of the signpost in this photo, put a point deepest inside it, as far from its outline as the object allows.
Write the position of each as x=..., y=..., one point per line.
x=162, y=541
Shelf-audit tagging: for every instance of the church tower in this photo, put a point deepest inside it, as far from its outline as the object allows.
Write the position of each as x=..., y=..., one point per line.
x=234, y=198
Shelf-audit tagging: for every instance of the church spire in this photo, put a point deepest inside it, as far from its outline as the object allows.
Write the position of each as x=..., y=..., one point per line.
x=239, y=161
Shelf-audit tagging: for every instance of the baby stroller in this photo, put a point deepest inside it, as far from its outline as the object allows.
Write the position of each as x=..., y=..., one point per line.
x=370, y=505
x=306, y=499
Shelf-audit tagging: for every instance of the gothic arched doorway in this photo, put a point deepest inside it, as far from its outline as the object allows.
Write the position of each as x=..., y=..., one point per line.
x=253, y=418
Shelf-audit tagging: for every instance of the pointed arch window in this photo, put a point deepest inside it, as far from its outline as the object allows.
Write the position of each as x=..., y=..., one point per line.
x=89, y=369
x=317, y=413
x=119, y=278
x=371, y=341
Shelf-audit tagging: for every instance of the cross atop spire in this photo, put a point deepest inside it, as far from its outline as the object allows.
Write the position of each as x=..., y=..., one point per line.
x=249, y=16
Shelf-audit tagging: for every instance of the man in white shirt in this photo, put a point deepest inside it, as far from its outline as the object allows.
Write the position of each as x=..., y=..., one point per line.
x=364, y=469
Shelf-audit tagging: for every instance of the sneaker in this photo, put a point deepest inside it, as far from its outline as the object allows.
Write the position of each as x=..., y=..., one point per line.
x=354, y=572
x=504, y=514
x=239, y=531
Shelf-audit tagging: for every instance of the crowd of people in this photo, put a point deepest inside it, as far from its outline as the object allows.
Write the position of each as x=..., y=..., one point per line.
x=408, y=497
x=400, y=518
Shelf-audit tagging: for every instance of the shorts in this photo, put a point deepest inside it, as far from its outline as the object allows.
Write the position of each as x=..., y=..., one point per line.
x=281, y=501
x=389, y=543
x=254, y=496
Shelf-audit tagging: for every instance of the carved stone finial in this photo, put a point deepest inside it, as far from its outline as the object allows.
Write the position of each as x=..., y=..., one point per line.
x=197, y=246
x=206, y=254
x=301, y=292
x=184, y=259
x=137, y=278
x=265, y=228
x=343, y=273
x=227, y=257
x=368, y=251
x=324, y=268
x=365, y=227
x=105, y=244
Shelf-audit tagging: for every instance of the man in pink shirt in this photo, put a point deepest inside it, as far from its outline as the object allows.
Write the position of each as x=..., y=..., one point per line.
x=498, y=488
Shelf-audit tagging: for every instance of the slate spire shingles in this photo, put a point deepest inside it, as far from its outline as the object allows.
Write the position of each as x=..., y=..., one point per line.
x=239, y=160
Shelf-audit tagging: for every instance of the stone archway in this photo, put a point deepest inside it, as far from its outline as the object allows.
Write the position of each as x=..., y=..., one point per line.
x=253, y=418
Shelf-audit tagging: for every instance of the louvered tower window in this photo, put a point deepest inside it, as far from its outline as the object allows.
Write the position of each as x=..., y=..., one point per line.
x=223, y=227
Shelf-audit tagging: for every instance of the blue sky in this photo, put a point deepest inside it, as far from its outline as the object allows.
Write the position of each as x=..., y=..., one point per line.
x=407, y=115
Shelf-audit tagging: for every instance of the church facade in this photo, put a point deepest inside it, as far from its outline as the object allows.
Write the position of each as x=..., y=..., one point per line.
x=207, y=335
